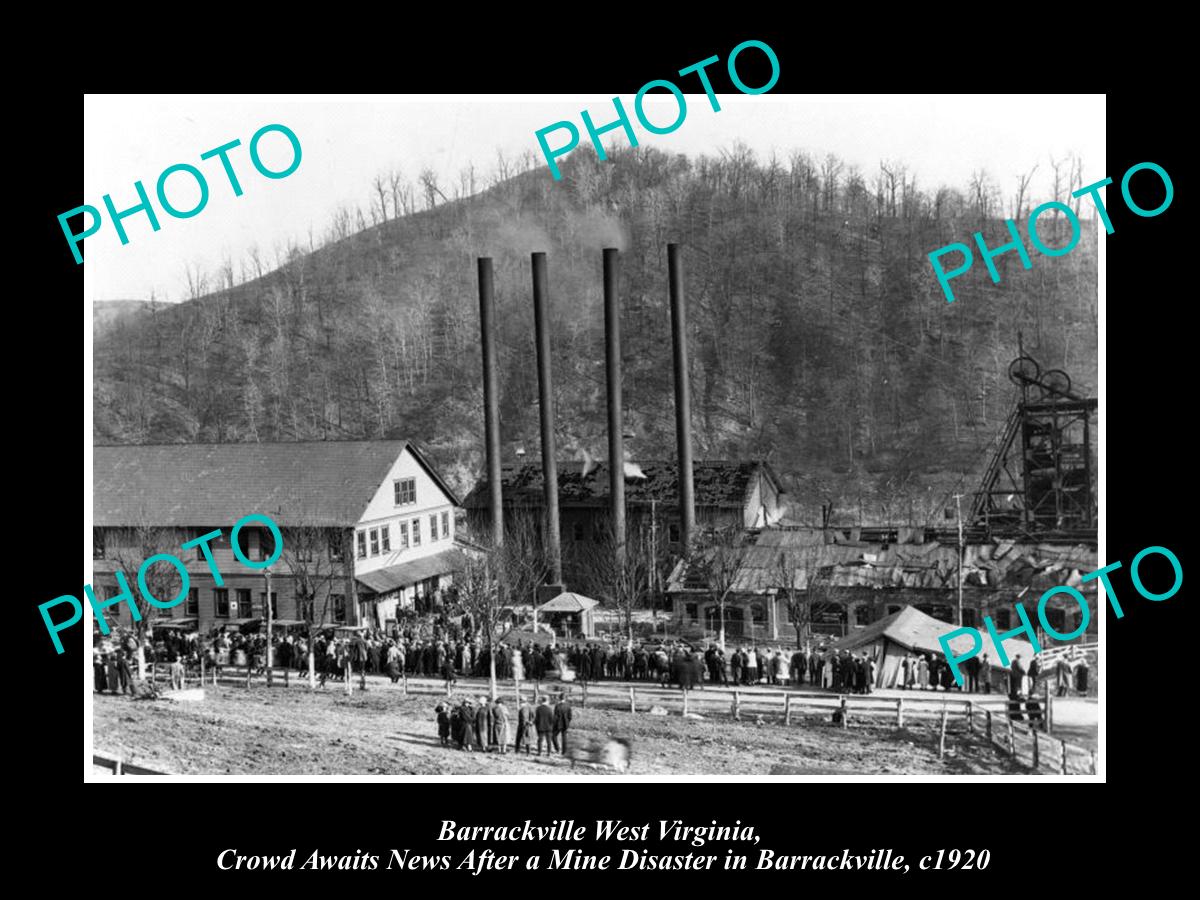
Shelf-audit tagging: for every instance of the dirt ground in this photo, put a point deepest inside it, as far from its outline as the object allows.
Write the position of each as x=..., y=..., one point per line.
x=291, y=731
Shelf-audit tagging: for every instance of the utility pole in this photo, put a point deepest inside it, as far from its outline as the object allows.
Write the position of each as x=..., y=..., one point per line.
x=270, y=619
x=958, y=508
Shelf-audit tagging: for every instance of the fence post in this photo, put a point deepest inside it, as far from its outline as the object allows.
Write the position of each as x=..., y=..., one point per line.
x=632, y=702
x=942, y=739
x=201, y=670
x=249, y=669
x=1049, y=710
x=583, y=702
x=1012, y=743
x=215, y=670
x=988, y=713
x=971, y=716
x=1062, y=762
x=406, y=684
x=349, y=686
x=737, y=705
x=117, y=766
x=1036, y=755
x=1094, y=772
x=787, y=709
x=287, y=676
x=685, y=703
x=153, y=671
x=845, y=713
x=899, y=712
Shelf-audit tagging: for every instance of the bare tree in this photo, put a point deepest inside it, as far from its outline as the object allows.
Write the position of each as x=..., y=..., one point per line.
x=316, y=557
x=623, y=580
x=1020, y=204
x=806, y=588
x=134, y=545
x=720, y=560
x=479, y=593
x=379, y=185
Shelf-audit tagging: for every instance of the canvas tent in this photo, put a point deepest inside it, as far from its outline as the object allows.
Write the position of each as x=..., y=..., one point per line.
x=889, y=639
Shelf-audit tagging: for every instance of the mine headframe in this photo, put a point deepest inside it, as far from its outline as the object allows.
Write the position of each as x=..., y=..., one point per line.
x=1041, y=479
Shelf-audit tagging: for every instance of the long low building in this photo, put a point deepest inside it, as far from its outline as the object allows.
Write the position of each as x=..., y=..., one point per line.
x=368, y=528
x=839, y=583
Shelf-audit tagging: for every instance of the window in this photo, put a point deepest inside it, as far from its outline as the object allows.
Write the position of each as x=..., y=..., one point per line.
x=893, y=608
x=266, y=543
x=403, y=535
x=758, y=613
x=673, y=534
x=262, y=603
x=692, y=614
x=221, y=602
x=433, y=532
x=335, y=547
x=416, y=524
x=245, y=543
x=406, y=491
x=862, y=614
x=971, y=618
x=1001, y=619
x=385, y=538
x=577, y=531
x=192, y=604
x=362, y=545
x=337, y=602
x=374, y=541
x=302, y=550
x=221, y=540
x=97, y=543
x=242, y=610
x=445, y=524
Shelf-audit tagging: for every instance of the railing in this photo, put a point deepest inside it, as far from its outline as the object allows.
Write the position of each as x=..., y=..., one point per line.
x=120, y=767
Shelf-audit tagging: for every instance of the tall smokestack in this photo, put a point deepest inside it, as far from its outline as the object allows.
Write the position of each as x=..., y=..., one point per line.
x=491, y=401
x=683, y=398
x=541, y=325
x=616, y=440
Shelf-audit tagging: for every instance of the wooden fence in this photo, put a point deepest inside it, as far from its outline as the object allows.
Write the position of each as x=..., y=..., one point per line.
x=988, y=718
x=120, y=767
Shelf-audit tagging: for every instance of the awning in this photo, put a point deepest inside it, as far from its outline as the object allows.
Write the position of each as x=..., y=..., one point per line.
x=381, y=581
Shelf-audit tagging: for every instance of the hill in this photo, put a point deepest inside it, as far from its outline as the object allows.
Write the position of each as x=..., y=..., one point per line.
x=820, y=339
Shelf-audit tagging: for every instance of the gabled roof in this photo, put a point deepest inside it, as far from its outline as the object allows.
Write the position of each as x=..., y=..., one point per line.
x=913, y=630
x=567, y=602
x=323, y=483
x=720, y=483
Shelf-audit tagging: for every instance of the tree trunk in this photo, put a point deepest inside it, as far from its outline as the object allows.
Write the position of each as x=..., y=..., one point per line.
x=312, y=665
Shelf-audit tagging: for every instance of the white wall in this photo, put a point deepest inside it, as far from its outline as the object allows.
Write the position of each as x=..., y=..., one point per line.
x=382, y=510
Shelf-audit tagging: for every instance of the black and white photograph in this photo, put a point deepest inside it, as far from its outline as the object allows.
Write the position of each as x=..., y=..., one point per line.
x=530, y=437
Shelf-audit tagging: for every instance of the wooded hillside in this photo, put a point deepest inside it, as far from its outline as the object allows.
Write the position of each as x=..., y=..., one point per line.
x=820, y=339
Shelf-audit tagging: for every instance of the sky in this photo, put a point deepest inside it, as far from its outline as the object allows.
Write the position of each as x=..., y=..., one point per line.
x=346, y=141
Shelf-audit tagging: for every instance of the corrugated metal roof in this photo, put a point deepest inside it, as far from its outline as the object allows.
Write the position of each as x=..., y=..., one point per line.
x=806, y=556
x=325, y=483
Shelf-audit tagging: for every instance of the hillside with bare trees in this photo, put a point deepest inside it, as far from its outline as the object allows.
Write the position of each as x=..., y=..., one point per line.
x=820, y=339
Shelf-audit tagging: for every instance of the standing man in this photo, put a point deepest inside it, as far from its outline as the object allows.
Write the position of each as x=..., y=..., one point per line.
x=543, y=719
x=500, y=724
x=483, y=723
x=973, y=674
x=562, y=721
x=525, y=726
